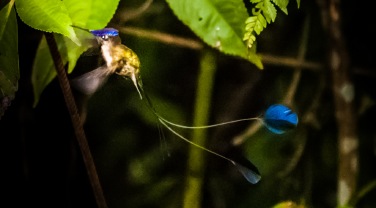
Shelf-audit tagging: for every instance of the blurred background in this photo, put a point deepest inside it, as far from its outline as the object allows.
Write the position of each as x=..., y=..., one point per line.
x=139, y=166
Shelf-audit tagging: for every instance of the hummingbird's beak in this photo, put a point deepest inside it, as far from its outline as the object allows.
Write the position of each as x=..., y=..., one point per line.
x=136, y=84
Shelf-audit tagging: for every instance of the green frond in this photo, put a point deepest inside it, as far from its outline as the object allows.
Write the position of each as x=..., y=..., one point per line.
x=264, y=12
x=269, y=11
x=282, y=4
x=260, y=24
x=251, y=19
x=251, y=40
x=255, y=24
x=260, y=5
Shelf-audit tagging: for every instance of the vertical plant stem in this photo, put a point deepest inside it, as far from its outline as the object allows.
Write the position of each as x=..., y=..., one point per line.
x=196, y=157
x=77, y=124
x=343, y=92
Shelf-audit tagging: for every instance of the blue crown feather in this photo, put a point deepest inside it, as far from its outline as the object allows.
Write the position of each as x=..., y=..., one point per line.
x=105, y=32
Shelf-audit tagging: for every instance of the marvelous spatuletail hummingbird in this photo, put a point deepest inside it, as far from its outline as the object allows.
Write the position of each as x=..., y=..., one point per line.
x=121, y=60
x=118, y=58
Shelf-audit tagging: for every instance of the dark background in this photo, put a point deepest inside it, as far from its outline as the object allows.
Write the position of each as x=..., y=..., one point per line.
x=41, y=164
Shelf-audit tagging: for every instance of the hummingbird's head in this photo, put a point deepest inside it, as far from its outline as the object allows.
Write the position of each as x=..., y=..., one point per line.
x=106, y=35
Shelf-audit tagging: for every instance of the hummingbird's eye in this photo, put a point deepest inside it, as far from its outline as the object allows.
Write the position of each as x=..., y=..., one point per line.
x=104, y=37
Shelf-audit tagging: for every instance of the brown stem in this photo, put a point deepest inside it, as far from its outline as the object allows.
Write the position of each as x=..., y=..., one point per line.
x=163, y=37
x=77, y=124
x=343, y=92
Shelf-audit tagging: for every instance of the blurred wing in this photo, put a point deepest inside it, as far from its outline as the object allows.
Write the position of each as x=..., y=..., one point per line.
x=92, y=51
x=89, y=41
x=90, y=82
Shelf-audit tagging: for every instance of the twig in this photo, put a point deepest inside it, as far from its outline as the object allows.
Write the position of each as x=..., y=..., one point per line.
x=163, y=37
x=198, y=45
x=290, y=62
x=267, y=59
x=133, y=14
x=289, y=97
x=77, y=124
x=366, y=189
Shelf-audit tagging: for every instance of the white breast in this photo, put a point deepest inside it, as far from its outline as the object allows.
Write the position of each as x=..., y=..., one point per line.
x=106, y=54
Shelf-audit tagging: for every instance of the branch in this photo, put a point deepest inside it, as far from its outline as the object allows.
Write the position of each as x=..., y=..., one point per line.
x=163, y=37
x=129, y=14
x=267, y=59
x=343, y=93
x=77, y=124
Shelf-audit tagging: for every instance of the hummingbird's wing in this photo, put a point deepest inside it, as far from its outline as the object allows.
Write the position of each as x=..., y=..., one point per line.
x=95, y=50
x=90, y=82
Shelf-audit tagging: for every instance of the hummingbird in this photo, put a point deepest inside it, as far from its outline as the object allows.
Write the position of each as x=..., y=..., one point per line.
x=118, y=58
x=121, y=60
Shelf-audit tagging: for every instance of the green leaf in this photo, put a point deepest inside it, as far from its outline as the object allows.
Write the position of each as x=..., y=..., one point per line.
x=282, y=4
x=44, y=72
x=269, y=11
x=254, y=24
x=298, y=2
x=263, y=13
x=4, y=14
x=9, y=68
x=43, y=67
x=255, y=56
x=75, y=51
x=48, y=16
x=89, y=14
x=219, y=23
x=260, y=24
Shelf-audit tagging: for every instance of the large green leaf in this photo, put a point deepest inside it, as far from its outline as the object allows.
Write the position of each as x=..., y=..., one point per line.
x=48, y=16
x=74, y=51
x=219, y=23
x=9, y=69
x=43, y=67
x=89, y=14
x=4, y=14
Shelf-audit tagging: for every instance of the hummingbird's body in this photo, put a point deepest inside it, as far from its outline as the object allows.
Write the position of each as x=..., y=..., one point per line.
x=119, y=59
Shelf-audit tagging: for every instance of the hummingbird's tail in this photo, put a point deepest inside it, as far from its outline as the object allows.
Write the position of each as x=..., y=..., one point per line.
x=138, y=84
x=246, y=168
